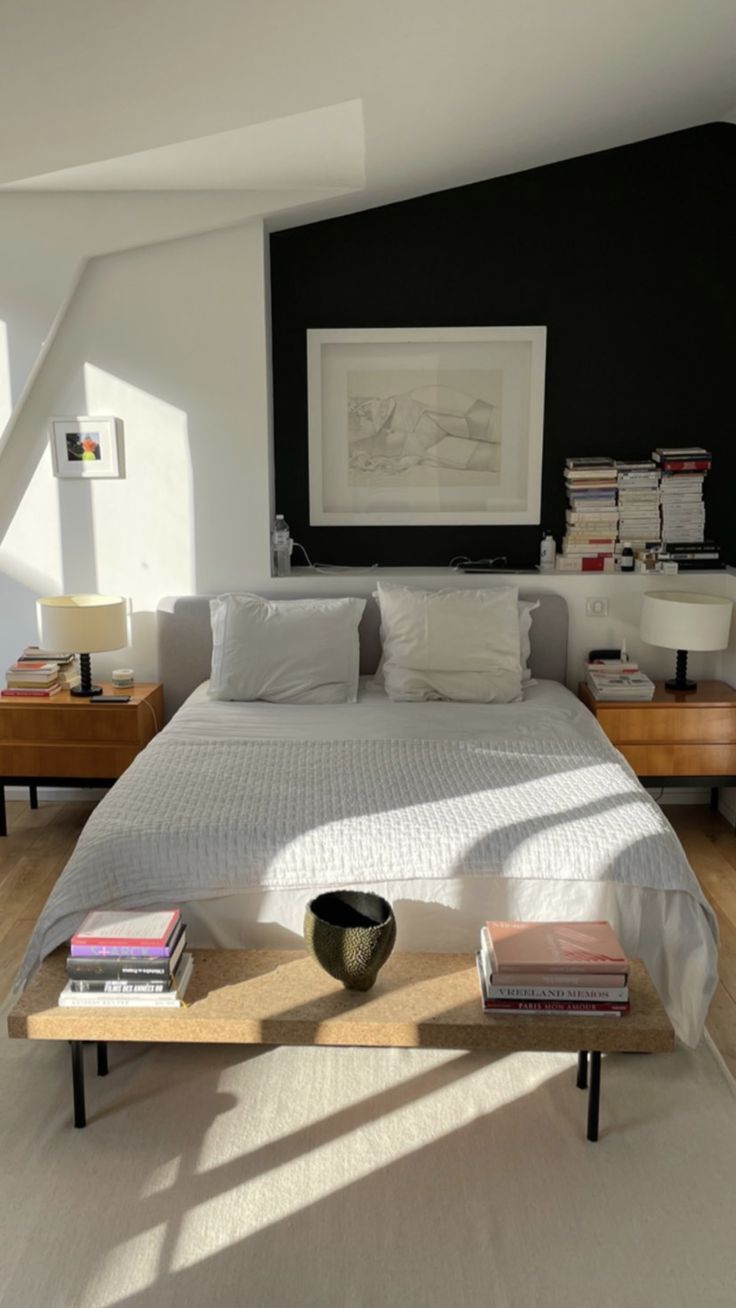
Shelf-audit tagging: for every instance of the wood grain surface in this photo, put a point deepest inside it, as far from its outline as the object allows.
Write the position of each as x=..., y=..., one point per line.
x=282, y=997
x=66, y=736
x=676, y=735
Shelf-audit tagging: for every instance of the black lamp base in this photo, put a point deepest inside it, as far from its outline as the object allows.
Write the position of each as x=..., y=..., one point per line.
x=674, y=684
x=680, y=680
x=85, y=689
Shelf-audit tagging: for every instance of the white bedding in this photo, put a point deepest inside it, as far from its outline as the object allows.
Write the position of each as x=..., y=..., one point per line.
x=456, y=812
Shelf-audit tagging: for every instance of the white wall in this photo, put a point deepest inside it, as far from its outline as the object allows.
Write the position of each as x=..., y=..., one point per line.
x=172, y=339
x=46, y=239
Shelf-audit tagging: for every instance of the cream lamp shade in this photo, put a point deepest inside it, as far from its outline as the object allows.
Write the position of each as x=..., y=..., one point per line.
x=683, y=621
x=84, y=624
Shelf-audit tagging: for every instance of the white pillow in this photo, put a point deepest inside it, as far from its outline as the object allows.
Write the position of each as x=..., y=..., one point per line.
x=526, y=608
x=451, y=644
x=286, y=651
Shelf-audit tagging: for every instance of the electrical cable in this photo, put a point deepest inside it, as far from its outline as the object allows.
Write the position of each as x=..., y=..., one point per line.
x=333, y=567
x=459, y=561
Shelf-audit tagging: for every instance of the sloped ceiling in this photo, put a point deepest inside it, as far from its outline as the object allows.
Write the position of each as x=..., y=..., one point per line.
x=293, y=110
x=450, y=92
x=320, y=150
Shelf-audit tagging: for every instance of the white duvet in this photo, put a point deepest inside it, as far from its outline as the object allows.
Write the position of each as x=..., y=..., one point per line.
x=282, y=800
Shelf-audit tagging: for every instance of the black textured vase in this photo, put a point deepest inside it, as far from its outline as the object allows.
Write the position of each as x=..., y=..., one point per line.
x=350, y=933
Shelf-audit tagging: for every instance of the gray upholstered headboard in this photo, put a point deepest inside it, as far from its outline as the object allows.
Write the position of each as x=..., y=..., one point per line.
x=185, y=642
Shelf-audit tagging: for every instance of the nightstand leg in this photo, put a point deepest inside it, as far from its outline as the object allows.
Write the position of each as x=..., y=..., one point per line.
x=3, y=819
x=33, y=793
x=77, y=1048
x=714, y=798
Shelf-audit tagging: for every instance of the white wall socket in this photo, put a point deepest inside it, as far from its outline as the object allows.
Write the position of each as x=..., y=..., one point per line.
x=596, y=606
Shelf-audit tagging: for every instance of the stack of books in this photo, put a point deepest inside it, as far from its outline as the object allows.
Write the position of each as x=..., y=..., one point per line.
x=683, y=470
x=638, y=504
x=617, y=679
x=40, y=673
x=128, y=959
x=552, y=967
x=592, y=516
x=689, y=554
x=32, y=677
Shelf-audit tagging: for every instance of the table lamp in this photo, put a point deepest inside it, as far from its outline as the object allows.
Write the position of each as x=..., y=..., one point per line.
x=684, y=621
x=85, y=624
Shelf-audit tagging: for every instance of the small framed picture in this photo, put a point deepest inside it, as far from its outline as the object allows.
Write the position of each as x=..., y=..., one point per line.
x=87, y=447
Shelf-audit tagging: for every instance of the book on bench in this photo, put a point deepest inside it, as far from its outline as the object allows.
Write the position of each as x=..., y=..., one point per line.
x=126, y=933
x=170, y=998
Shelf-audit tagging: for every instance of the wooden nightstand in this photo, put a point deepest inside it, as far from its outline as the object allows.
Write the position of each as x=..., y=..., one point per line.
x=676, y=738
x=68, y=741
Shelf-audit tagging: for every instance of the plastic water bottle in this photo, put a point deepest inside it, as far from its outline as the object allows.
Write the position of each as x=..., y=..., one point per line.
x=547, y=552
x=281, y=546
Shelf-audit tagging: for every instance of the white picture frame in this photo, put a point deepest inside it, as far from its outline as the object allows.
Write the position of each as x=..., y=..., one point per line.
x=425, y=425
x=87, y=447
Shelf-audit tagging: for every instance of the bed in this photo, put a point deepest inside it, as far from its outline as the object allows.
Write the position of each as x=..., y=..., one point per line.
x=241, y=812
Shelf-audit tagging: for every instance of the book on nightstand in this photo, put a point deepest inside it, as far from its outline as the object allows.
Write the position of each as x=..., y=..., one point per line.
x=30, y=692
x=620, y=686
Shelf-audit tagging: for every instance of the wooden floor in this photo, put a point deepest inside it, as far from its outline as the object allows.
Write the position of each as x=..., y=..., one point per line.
x=39, y=844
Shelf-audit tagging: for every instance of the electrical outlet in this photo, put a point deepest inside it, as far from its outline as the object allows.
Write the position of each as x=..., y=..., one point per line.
x=596, y=606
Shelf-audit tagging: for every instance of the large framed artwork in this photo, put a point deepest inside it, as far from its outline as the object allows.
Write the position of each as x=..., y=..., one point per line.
x=425, y=425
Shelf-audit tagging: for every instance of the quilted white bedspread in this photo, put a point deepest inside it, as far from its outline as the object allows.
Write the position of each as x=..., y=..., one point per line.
x=236, y=796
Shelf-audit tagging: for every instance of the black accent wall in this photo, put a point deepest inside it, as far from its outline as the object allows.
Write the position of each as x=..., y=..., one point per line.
x=626, y=256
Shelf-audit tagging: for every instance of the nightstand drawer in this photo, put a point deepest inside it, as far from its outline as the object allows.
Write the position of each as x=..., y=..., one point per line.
x=67, y=724
x=84, y=759
x=665, y=760
x=668, y=725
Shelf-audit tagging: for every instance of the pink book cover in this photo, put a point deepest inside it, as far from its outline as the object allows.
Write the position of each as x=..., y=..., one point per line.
x=127, y=927
x=583, y=947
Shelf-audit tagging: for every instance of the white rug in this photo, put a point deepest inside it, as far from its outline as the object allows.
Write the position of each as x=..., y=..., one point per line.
x=320, y=1178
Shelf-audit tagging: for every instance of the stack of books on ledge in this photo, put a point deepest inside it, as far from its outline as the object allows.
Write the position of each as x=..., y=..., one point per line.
x=552, y=967
x=684, y=469
x=617, y=679
x=692, y=555
x=592, y=517
x=638, y=503
x=128, y=958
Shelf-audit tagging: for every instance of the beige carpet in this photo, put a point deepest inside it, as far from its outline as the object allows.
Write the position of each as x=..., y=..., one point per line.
x=319, y=1178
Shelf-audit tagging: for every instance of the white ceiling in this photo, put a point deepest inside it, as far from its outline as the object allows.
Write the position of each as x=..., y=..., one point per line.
x=409, y=95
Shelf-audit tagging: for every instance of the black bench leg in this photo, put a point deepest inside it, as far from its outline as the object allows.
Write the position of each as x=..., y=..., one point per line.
x=102, y=1058
x=80, y=1118
x=3, y=818
x=714, y=798
x=582, y=1081
x=33, y=793
x=594, y=1095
